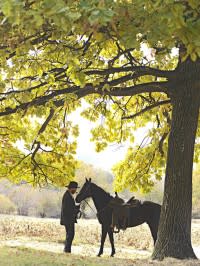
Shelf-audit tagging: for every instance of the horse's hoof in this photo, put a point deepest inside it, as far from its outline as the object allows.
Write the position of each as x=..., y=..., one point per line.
x=99, y=255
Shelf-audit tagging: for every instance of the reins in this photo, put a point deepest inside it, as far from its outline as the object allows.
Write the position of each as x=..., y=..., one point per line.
x=96, y=213
x=89, y=206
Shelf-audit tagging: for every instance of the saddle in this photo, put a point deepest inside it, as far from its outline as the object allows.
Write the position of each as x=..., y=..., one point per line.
x=121, y=212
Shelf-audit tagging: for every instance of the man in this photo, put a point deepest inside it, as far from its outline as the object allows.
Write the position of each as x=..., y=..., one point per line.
x=69, y=211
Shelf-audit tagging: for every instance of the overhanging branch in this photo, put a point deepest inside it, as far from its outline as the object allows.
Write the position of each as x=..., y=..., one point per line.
x=136, y=89
x=160, y=147
x=44, y=125
x=143, y=70
x=87, y=90
x=147, y=109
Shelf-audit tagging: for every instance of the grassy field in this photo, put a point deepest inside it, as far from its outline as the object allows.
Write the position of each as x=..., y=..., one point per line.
x=87, y=232
x=26, y=240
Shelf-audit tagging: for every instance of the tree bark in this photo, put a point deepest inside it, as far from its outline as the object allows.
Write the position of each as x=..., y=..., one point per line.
x=174, y=234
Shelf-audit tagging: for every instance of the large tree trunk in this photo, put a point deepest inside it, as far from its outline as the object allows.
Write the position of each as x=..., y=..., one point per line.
x=174, y=234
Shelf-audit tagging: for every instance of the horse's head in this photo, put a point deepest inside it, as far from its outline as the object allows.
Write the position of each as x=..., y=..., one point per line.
x=85, y=191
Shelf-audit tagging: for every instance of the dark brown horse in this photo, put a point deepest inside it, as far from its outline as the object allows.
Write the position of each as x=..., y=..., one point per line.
x=146, y=212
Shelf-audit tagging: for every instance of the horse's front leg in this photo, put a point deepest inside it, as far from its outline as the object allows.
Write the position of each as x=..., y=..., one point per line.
x=110, y=233
x=104, y=231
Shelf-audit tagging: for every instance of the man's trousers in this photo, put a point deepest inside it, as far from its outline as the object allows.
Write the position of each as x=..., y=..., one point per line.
x=69, y=237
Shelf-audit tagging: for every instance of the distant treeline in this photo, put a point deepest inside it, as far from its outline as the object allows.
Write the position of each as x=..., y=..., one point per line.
x=23, y=199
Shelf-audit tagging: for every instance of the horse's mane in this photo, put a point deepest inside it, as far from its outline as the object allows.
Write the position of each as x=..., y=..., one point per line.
x=101, y=190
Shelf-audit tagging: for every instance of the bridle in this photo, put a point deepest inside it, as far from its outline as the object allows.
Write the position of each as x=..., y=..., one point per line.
x=90, y=195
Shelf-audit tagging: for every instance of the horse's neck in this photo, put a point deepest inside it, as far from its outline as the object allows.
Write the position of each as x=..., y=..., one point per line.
x=100, y=198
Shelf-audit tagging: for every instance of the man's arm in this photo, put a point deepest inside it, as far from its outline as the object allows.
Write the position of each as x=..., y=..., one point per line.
x=67, y=205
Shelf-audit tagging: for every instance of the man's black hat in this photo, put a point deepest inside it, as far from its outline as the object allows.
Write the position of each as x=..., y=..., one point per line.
x=73, y=184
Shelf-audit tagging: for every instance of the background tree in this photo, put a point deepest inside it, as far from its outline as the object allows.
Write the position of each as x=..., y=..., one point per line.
x=48, y=204
x=22, y=196
x=6, y=205
x=46, y=201
x=98, y=175
x=120, y=59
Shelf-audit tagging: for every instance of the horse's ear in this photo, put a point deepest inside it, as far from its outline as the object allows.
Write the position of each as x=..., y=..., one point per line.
x=90, y=179
x=86, y=179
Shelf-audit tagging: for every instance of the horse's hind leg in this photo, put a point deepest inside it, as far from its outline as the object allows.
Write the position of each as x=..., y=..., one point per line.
x=154, y=231
x=104, y=231
x=110, y=233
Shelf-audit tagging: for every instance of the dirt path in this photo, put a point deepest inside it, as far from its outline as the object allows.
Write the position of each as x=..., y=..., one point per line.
x=85, y=250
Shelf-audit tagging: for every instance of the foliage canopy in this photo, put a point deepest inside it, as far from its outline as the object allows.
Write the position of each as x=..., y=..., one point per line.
x=120, y=56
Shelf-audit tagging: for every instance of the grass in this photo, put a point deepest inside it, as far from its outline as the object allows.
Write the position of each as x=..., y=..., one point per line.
x=47, y=234
x=23, y=256
x=87, y=232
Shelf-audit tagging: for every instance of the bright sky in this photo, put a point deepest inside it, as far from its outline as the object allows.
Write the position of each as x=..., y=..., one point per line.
x=86, y=149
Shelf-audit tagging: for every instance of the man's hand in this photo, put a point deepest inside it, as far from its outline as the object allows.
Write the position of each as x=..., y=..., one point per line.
x=77, y=211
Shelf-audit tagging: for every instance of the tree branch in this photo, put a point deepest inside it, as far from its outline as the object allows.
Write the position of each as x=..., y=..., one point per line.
x=90, y=89
x=136, y=89
x=160, y=147
x=147, y=109
x=144, y=70
x=43, y=127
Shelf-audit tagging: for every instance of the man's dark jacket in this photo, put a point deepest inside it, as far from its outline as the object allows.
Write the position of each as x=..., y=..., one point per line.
x=68, y=209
